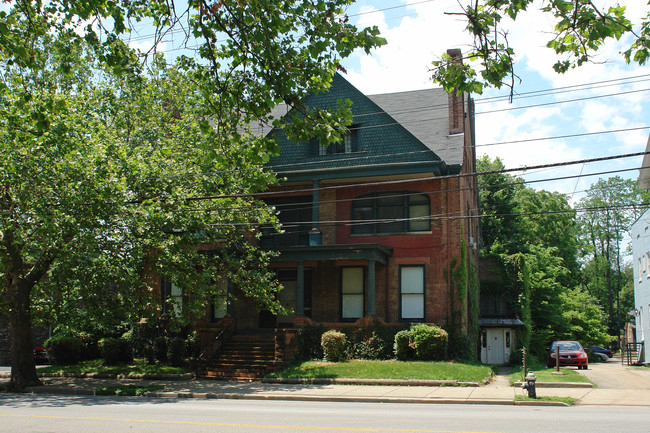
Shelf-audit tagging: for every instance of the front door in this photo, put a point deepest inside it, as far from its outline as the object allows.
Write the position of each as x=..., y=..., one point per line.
x=496, y=346
x=287, y=297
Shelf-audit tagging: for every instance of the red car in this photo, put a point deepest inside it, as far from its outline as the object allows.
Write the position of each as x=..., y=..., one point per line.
x=41, y=356
x=571, y=353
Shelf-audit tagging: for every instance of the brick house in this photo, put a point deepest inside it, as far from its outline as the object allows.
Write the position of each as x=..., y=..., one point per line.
x=383, y=224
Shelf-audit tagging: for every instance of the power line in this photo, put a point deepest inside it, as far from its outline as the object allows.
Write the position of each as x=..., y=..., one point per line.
x=557, y=137
x=402, y=181
x=437, y=217
x=388, y=8
x=307, y=204
x=587, y=98
x=565, y=89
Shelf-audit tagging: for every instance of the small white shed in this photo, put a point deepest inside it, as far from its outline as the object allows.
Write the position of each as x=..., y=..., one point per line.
x=498, y=339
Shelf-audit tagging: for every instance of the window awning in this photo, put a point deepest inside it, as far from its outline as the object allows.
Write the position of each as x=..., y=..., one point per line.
x=500, y=322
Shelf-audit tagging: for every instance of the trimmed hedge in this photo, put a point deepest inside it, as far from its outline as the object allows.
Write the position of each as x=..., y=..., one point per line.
x=115, y=350
x=333, y=344
x=425, y=343
x=309, y=339
x=402, y=346
x=64, y=349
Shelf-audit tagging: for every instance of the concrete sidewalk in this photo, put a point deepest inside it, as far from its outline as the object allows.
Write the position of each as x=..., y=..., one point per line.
x=497, y=392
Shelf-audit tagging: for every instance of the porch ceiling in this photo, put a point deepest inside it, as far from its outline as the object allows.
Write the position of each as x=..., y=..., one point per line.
x=377, y=253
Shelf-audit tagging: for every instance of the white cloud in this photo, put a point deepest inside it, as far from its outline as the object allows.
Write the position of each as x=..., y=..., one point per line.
x=413, y=43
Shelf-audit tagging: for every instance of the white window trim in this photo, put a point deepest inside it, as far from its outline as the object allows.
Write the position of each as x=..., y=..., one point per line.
x=352, y=294
x=409, y=293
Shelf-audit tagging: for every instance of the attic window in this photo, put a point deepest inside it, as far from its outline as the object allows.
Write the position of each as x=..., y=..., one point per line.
x=346, y=145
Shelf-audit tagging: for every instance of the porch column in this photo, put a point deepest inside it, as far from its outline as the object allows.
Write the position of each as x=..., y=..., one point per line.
x=315, y=238
x=370, y=301
x=315, y=211
x=300, y=290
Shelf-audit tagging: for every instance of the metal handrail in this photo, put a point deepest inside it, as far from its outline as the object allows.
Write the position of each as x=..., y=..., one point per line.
x=630, y=349
x=210, y=346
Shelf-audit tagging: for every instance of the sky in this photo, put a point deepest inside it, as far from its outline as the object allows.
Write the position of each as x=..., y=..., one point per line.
x=608, y=95
x=590, y=102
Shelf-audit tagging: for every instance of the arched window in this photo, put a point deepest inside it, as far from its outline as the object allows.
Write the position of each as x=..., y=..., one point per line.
x=391, y=212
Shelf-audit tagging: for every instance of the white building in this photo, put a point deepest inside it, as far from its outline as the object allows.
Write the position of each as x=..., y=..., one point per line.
x=640, y=233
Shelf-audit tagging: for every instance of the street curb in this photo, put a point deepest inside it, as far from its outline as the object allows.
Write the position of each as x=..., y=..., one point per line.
x=340, y=399
x=142, y=376
x=353, y=399
x=558, y=384
x=58, y=391
x=542, y=403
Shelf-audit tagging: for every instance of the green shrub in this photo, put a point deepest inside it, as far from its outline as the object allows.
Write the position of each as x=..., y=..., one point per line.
x=160, y=348
x=149, y=353
x=371, y=347
x=372, y=341
x=430, y=342
x=133, y=337
x=333, y=344
x=89, y=349
x=461, y=348
x=176, y=351
x=115, y=350
x=309, y=342
x=64, y=349
x=402, y=347
x=109, y=350
x=193, y=344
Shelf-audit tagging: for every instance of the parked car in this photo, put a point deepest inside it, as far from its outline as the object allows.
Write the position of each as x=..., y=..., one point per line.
x=601, y=350
x=41, y=356
x=571, y=353
x=597, y=356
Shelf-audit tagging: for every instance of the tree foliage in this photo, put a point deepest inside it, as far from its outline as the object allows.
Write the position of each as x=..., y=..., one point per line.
x=497, y=192
x=581, y=27
x=116, y=167
x=582, y=319
x=610, y=208
x=537, y=231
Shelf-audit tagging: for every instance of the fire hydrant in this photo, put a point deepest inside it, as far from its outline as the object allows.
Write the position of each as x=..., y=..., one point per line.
x=530, y=384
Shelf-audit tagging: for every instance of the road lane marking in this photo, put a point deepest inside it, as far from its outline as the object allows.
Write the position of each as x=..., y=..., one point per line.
x=224, y=424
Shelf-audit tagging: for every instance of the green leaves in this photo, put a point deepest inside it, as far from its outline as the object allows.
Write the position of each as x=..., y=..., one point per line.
x=116, y=168
x=581, y=29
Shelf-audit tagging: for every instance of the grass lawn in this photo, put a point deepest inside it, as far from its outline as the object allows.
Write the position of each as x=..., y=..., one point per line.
x=97, y=366
x=361, y=369
x=568, y=400
x=544, y=374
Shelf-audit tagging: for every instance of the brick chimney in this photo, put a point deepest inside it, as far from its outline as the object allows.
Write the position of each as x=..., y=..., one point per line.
x=456, y=106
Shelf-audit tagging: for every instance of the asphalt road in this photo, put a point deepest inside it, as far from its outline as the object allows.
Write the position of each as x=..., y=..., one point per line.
x=56, y=414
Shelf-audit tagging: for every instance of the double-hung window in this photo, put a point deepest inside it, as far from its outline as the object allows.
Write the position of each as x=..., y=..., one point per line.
x=172, y=297
x=220, y=300
x=352, y=293
x=412, y=292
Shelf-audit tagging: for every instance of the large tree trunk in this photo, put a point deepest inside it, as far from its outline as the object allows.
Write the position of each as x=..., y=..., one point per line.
x=23, y=368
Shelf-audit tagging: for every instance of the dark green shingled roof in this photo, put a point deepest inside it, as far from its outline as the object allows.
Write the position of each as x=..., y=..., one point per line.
x=396, y=133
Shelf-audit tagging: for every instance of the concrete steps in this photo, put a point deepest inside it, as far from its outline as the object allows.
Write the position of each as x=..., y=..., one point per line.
x=246, y=357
